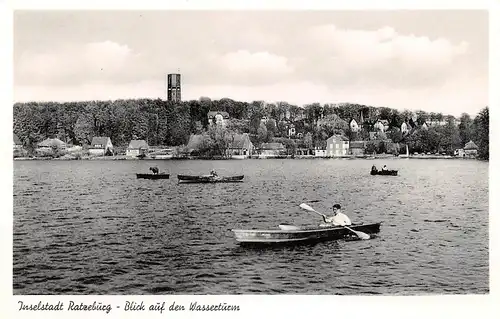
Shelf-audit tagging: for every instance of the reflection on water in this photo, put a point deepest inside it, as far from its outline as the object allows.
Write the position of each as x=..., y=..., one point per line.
x=91, y=227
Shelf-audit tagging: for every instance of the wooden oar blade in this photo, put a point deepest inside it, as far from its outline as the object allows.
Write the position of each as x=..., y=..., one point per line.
x=362, y=235
x=306, y=207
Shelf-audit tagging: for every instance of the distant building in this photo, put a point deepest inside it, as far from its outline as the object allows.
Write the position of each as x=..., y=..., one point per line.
x=272, y=150
x=137, y=147
x=240, y=146
x=404, y=128
x=174, y=87
x=291, y=130
x=101, y=146
x=52, y=143
x=470, y=149
x=354, y=125
x=459, y=152
x=218, y=118
x=357, y=148
x=50, y=146
x=337, y=145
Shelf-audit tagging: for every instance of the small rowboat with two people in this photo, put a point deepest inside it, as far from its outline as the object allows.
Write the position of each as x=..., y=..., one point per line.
x=210, y=179
x=290, y=234
x=384, y=171
x=155, y=175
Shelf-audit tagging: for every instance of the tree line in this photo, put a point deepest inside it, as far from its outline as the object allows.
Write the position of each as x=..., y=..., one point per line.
x=162, y=122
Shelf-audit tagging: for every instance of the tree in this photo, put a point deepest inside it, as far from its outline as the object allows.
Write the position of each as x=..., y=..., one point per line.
x=308, y=140
x=84, y=129
x=333, y=124
x=465, y=128
x=483, y=132
x=262, y=133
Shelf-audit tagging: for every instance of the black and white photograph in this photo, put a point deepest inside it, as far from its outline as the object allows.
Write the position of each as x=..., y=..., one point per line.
x=250, y=152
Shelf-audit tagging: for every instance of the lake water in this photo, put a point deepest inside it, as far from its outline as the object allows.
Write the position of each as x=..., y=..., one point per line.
x=91, y=227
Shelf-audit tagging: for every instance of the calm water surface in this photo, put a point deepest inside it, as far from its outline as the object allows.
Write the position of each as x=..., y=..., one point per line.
x=91, y=227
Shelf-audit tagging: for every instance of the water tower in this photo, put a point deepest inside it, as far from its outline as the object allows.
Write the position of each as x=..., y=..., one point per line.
x=174, y=87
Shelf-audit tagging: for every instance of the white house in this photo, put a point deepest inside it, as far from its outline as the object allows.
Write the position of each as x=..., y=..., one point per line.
x=337, y=145
x=137, y=147
x=218, y=118
x=354, y=125
x=100, y=146
x=404, y=128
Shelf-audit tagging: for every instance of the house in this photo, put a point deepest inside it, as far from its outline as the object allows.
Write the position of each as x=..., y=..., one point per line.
x=459, y=152
x=272, y=150
x=240, y=146
x=319, y=152
x=404, y=128
x=381, y=125
x=291, y=130
x=137, y=147
x=354, y=125
x=194, y=143
x=50, y=146
x=470, y=149
x=357, y=148
x=337, y=145
x=101, y=146
x=218, y=118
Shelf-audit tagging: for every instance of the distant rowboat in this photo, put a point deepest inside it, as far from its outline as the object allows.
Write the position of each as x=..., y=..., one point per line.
x=390, y=173
x=153, y=176
x=209, y=179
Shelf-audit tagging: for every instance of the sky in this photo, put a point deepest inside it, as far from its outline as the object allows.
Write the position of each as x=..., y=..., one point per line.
x=436, y=61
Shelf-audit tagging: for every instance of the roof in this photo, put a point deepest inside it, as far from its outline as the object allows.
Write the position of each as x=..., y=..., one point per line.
x=241, y=141
x=338, y=138
x=138, y=144
x=357, y=144
x=470, y=146
x=17, y=141
x=99, y=140
x=195, y=141
x=272, y=146
x=52, y=142
x=214, y=113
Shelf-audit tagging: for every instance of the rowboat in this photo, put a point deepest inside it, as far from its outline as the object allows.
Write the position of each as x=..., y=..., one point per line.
x=153, y=176
x=390, y=173
x=288, y=234
x=210, y=179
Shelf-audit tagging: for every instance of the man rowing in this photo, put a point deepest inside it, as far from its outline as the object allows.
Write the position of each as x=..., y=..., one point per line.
x=337, y=219
x=155, y=170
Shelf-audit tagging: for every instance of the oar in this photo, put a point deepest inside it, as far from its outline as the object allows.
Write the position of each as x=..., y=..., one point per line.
x=358, y=233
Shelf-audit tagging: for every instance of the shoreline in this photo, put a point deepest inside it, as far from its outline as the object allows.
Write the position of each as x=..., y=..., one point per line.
x=345, y=157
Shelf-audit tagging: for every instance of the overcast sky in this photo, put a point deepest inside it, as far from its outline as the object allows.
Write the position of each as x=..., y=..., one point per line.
x=436, y=61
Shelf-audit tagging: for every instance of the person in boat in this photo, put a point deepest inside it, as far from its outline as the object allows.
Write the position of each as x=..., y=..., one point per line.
x=337, y=219
x=384, y=169
x=155, y=170
x=213, y=173
x=374, y=168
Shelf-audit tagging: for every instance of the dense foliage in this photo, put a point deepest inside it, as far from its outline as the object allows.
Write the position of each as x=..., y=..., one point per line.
x=164, y=123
